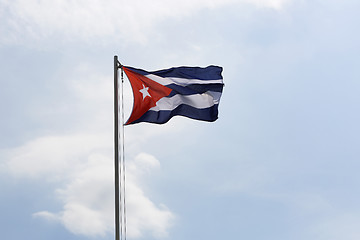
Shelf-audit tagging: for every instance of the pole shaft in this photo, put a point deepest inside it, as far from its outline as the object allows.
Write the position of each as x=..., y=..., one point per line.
x=116, y=147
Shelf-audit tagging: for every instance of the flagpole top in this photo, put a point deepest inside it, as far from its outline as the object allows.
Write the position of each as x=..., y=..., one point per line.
x=116, y=61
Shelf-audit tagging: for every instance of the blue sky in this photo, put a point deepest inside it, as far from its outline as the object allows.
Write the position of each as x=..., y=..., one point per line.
x=281, y=162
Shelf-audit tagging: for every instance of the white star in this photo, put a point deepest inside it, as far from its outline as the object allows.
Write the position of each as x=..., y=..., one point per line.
x=145, y=92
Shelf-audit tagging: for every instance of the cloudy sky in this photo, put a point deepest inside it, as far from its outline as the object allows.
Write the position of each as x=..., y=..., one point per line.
x=281, y=162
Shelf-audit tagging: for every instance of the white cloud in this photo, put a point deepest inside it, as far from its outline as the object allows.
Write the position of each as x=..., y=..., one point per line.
x=80, y=163
x=275, y=4
x=80, y=19
x=153, y=219
x=52, y=155
x=88, y=199
x=46, y=215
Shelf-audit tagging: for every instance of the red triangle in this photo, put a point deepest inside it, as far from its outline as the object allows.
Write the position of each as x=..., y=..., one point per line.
x=143, y=101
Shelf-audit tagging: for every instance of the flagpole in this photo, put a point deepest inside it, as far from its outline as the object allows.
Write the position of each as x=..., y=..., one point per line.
x=116, y=148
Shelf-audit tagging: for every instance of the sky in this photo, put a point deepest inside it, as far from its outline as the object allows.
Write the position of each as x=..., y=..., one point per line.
x=281, y=162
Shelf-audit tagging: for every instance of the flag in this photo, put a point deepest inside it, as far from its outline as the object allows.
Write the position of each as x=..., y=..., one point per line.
x=192, y=92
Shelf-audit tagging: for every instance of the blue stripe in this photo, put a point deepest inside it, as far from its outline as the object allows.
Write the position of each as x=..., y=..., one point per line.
x=194, y=89
x=207, y=73
x=160, y=117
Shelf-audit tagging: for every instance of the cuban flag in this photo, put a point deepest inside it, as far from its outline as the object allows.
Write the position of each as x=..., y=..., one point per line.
x=192, y=92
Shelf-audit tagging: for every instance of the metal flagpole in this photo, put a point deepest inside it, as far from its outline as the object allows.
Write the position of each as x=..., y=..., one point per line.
x=120, y=203
x=116, y=149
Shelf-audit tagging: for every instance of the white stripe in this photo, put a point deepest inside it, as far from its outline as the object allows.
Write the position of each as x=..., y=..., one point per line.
x=200, y=101
x=216, y=96
x=181, y=81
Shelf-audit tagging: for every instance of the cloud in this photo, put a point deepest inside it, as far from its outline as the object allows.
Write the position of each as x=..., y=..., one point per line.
x=52, y=156
x=88, y=198
x=85, y=20
x=80, y=164
x=153, y=219
x=274, y=4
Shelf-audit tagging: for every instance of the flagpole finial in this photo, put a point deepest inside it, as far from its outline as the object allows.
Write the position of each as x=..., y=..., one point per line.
x=118, y=64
